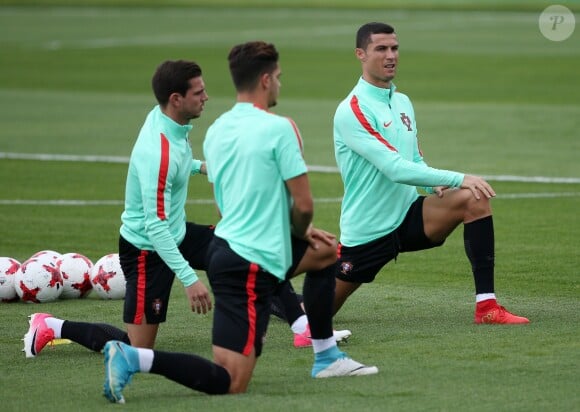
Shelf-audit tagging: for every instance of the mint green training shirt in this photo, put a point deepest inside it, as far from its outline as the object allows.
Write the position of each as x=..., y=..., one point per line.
x=156, y=191
x=376, y=149
x=250, y=153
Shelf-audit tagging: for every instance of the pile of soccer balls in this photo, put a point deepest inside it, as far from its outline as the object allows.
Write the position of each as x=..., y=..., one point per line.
x=47, y=276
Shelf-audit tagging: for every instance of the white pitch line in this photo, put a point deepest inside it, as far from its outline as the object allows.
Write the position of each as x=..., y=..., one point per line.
x=313, y=168
x=49, y=157
x=496, y=178
x=77, y=202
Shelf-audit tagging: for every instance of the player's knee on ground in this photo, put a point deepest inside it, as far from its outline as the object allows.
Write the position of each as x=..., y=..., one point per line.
x=239, y=367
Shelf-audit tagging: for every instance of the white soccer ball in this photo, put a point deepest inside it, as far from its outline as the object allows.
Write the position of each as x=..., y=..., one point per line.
x=75, y=270
x=47, y=253
x=107, y=277
x=8, y=269
x=38, y=280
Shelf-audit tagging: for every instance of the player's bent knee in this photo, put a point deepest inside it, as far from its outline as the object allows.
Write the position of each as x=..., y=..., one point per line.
x=239, y=379
x=318, y=259
x=239, y=368
x=477, y=208
x=327, y=255
x=323, y=262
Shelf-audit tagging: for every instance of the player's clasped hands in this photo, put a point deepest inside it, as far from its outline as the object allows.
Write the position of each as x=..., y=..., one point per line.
x=199, y=297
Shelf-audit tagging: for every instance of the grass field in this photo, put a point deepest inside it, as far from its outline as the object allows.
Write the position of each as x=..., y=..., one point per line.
x=492, y=97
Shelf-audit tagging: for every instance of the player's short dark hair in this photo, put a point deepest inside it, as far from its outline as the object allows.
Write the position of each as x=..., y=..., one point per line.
x=173, y=76
x=363, y=35
x=248, y=61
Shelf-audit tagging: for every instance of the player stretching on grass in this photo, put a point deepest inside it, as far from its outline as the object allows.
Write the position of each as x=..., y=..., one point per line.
x=375, y=141
x=262, y=192
x=156, y=243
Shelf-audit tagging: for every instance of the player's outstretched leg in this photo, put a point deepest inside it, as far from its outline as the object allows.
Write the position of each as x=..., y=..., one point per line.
x=38, y=335
x=45, y=328
x=121, y=363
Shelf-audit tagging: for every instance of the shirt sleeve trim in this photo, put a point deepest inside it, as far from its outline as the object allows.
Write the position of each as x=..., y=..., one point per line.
x=162, y=178
x=364, y=122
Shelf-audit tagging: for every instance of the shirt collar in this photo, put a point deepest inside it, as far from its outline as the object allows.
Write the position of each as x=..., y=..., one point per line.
x=379, y=93
x=174, y=128
x=244, y=106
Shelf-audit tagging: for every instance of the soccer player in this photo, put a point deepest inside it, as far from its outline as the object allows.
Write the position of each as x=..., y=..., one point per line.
x=261, y=189
x=156, y=243
x=376, y=148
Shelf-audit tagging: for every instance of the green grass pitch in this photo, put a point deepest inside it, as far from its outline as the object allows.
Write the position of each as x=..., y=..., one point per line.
x=492, y=97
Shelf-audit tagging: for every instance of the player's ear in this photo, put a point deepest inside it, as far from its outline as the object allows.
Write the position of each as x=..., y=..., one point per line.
x=265, y=80
x=360, y=54
x=174, y=99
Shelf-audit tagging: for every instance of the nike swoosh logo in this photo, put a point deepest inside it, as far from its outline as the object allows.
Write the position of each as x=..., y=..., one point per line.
x=385, y=125
x=33, y=346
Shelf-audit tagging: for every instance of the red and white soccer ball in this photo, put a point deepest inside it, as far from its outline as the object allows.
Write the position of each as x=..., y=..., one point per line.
x=75, y=270
x=107, y=277
x=46, y=253
x=38, y=280
x=8, y=269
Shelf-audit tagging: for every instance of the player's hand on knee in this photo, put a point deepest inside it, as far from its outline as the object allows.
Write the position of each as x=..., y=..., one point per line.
x=324, y=236
x=199, y=297
x=309, y=238
x=477, y=185
x=438, y=190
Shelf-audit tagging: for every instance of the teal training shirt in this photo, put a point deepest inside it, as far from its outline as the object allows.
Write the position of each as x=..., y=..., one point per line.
x=156, y=191
x=377, y=152
x=250, y=153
